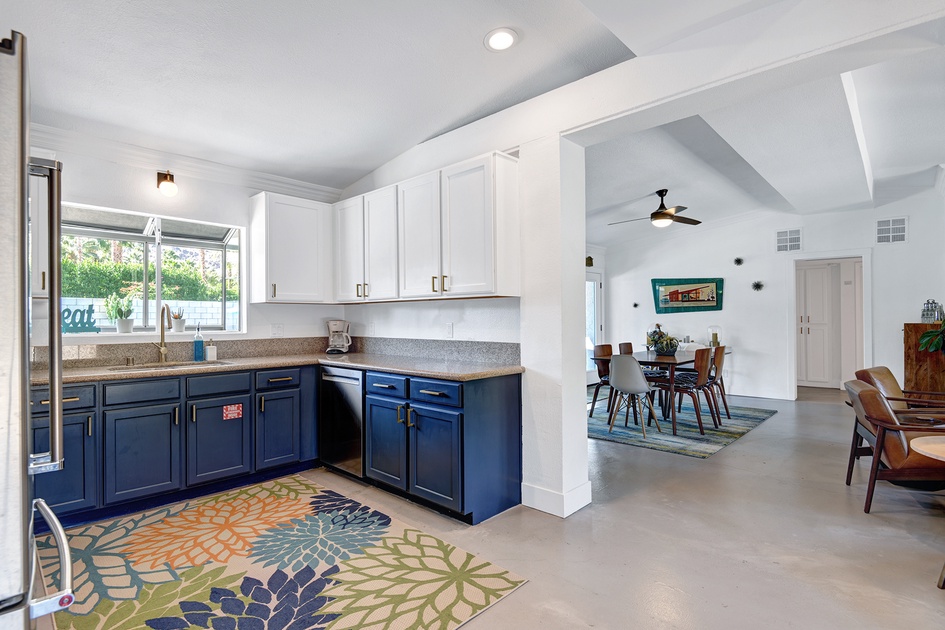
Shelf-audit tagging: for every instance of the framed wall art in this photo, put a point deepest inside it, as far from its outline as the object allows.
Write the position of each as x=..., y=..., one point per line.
x=686, y=295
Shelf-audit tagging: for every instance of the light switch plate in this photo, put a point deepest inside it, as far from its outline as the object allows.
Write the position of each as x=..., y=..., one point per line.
x=276, y=330
x=449, y=330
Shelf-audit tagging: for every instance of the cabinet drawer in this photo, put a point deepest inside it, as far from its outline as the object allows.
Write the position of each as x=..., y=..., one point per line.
x=386, y=385
x=437, y=392
x=73, y=397
x=141, y=391
x=214, y=384
x=272, y=379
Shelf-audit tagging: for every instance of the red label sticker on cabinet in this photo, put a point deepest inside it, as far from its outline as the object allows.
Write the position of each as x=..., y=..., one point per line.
x=231, y=412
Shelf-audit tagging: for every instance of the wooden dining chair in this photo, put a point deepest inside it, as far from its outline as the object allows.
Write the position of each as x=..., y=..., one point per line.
x=625, y=347
x=601, y=358
x=692, y=384
x=716, y=382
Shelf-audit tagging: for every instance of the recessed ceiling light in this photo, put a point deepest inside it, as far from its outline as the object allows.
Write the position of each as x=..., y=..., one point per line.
x=500, y=39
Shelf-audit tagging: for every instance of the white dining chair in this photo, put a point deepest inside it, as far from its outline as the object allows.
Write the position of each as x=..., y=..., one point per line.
x=630, y=386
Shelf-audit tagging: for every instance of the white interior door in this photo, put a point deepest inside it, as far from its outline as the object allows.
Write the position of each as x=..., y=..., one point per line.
x=817, y=339
x=594, y=326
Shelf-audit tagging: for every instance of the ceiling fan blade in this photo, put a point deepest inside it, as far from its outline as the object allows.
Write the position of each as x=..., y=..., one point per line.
x=686, y=220
x=628, y=220
x=675, y=209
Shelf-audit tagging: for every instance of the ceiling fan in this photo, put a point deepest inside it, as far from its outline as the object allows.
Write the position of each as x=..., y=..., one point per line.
x=663, y=216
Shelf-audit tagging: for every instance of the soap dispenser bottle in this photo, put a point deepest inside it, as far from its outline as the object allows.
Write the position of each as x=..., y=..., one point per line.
x=198, y=345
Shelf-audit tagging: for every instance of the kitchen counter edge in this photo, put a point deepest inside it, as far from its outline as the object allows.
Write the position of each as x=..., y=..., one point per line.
x=410, y=366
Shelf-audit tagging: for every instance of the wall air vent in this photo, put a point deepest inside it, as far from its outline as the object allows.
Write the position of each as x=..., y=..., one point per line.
x=789, y=240
x=891, y=230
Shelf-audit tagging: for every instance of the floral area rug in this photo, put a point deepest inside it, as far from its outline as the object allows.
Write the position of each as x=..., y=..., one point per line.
x=687, y=441
x=286, y=553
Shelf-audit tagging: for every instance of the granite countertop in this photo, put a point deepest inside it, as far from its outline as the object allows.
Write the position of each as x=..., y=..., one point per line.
x=411, y=366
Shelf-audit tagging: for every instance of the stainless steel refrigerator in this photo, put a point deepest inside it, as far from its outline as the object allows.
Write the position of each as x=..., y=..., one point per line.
x=18, y=603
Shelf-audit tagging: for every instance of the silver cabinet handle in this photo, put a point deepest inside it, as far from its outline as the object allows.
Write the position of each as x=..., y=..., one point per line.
x=382, y=385
x=365, y=290
x=357, y=290
x=52, y=461
x=63, y=598
x=430, y=392
x=273, y=289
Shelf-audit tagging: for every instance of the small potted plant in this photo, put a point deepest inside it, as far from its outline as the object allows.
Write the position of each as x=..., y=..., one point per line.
x=119, y=309
x=663, y=343
x=178, y=321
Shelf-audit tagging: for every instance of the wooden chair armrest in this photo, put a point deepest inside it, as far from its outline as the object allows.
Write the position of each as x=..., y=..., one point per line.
x=918, y=402
x=906, y=428
x=922, y=394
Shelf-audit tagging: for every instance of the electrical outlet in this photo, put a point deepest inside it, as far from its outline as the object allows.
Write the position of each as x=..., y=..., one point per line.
x=370, y=329
x=276, y=330
x=449, y=330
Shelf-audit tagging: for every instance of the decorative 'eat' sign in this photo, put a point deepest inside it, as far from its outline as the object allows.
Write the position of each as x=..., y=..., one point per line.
x=232, y=412
x=79, y=320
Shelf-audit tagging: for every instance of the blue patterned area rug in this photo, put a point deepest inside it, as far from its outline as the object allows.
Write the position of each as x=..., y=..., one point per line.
x=687, y=440
x=285, y=554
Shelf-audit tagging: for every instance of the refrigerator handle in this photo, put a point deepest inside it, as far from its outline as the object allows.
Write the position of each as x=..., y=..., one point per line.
x=52, y=461
x=63, y=598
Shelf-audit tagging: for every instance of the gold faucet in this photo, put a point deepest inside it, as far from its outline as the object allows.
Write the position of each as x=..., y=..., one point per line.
x=162, y=347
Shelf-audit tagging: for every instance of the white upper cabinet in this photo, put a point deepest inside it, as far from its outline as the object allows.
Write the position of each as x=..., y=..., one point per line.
x=459, y=230
x=290, y=250
x=366, y=242
x=39, y=237
x=479, y=222
x=380, y=244
x=349, y=243
x=418, y=215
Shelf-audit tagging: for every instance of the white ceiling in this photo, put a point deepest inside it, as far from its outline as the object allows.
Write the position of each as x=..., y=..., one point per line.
x=325, y=92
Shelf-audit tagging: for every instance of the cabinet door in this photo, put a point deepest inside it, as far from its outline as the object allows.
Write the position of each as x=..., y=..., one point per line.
x=39, y=231
x=380, y=244
x=349, y=243
x=435, y=455
x=468, y=228
x=142, y=452
x=277, y=428
x=418, y=216
x=74, y=487
x=290, y=250
x=385, y=449
x=218, y=438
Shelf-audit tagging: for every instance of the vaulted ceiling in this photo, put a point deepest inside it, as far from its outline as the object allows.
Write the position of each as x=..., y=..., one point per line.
x=325, y=92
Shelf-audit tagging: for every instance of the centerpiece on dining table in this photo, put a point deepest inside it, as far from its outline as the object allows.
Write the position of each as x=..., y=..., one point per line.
x=662, y=342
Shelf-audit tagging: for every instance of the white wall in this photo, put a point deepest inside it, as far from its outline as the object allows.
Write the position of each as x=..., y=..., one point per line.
x=759, y=325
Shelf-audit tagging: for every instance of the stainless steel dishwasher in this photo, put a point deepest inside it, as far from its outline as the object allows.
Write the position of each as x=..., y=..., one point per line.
x=341, y=419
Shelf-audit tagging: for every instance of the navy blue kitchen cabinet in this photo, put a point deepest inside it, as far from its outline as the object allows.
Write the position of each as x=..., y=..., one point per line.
x=456, y=445
x=219, y=428
x=142, y=451
x=142, y=446
x=278, y=417
x=385, y=437
x=75, y=487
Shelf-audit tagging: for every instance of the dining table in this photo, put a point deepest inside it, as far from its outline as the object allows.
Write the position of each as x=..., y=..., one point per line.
x=931, y=446
x=669, y=362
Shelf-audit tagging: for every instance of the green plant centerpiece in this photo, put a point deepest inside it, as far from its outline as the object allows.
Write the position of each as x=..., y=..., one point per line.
x=118, y=307
x=662, y=342
x=933, y=340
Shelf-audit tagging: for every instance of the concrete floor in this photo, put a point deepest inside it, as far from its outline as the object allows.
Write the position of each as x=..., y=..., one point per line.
x=764, y=534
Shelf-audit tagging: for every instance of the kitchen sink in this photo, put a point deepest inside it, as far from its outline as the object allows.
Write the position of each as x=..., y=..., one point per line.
x=170, y=365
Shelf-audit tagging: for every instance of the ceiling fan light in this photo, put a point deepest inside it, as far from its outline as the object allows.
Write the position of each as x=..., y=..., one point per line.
x=658, y=219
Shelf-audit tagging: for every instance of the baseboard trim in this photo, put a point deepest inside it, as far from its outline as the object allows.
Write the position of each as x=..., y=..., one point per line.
x=562, y=504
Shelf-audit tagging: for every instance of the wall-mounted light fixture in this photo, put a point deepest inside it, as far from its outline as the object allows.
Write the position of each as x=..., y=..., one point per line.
x=165, y=183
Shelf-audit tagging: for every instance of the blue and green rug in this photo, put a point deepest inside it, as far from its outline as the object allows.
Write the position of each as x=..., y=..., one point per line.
x=687, y=440
x=284, y=554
